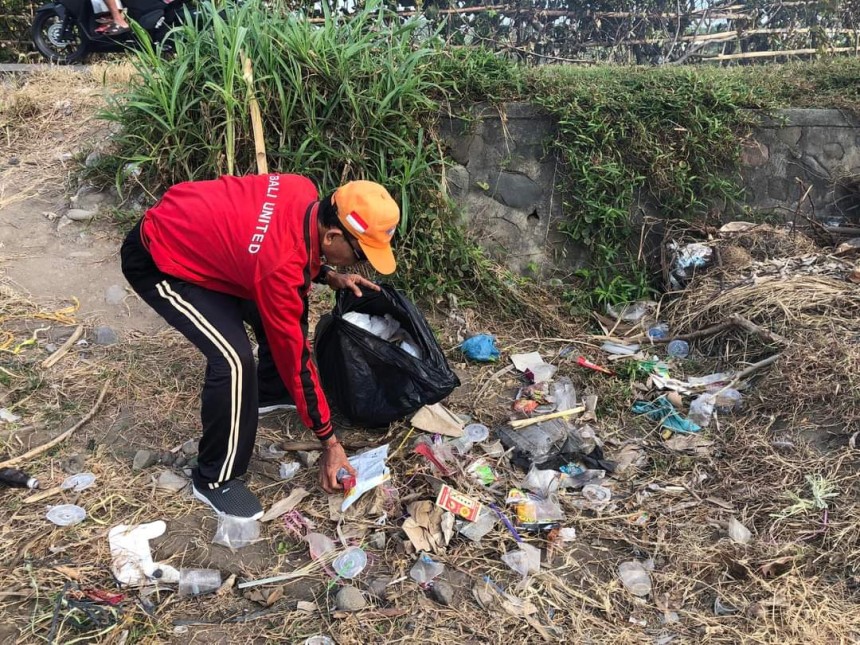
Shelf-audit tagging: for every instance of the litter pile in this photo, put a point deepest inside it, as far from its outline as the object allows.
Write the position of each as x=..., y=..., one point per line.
x=649, y=483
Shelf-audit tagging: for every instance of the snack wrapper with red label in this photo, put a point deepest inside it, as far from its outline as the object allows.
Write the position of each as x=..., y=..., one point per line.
x=457, y=503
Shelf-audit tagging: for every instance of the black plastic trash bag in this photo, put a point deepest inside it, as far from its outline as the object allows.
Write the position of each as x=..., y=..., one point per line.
x=371, y=381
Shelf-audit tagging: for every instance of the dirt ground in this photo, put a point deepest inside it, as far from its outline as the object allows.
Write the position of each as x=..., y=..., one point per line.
x=784, y=466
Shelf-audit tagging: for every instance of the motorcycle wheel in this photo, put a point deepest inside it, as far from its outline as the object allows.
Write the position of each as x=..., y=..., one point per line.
x=48, y=37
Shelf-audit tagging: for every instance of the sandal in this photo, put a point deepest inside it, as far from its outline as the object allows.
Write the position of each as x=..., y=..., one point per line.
x=112, y=30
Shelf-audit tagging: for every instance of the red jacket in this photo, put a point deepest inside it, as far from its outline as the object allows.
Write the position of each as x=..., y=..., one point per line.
x=253, y=237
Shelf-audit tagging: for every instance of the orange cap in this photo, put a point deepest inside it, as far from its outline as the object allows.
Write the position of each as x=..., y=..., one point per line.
x=368, y=212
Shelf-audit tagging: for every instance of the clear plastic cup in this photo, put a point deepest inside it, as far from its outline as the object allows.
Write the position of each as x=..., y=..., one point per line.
x=350, y=563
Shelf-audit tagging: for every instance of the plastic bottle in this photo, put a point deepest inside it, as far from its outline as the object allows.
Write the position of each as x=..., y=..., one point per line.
x=17, y=478
x=196, y=582
x=678, y=349
x=635, y=578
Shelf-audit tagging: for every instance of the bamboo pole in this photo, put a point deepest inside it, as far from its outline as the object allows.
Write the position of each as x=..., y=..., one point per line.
x=774, y=53
x=256, y=117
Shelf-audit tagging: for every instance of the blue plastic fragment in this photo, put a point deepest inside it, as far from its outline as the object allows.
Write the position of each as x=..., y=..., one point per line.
x=481, y=348
x=662, y=410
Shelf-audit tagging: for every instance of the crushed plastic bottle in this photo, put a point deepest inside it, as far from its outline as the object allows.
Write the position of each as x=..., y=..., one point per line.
x=536, y=441
x=678, y=349
x=635, y=578
x=426, y=570
x=197, y=582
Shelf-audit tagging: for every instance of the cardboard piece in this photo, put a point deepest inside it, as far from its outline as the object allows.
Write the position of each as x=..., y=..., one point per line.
x=457, y=503
x=428, y=527
x=283, y=506
x=437, y=419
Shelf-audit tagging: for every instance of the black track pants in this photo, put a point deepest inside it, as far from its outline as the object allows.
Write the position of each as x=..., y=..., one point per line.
x=215, y=323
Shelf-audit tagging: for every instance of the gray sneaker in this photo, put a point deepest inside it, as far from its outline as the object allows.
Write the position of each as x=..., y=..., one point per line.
x=231, y=498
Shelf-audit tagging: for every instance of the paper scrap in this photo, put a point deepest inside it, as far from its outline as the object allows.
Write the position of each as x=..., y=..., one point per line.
x=532, y=362
x=438, y=419
x=284, y=505
x=371, y=471
x=428, y=526
x=457, y=503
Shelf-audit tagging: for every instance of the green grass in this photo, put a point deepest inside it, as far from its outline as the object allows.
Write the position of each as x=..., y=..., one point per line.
x=360, y=98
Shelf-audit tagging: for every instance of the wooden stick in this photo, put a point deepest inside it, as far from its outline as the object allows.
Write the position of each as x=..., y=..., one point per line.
x=256, y=118
x=45, y=494
x=59, y=439
x=65, y=347
x=751, y=327
x=522, y=423
x=771, y=54
x=310, y=446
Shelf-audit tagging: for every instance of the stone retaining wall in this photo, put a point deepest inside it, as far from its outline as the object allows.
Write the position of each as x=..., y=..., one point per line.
x=504, y=180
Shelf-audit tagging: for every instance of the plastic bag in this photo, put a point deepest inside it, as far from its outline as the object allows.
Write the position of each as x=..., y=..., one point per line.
x=373, y=382
x=236, y=532
x=481, y=348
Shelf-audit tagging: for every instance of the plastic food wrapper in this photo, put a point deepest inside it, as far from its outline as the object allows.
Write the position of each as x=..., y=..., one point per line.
x=439, y=454
x=534, y=512
x=197, y=582
x=525, y=560
x=387, y=328
x=288, y=470
x=481, y=348
x=482, y=472
x=236, y=532
x=426, y=570
x=619, y=349
x=542, y=482
x=371, y=471
x=319, y=545
x=479, y=528
x=131, y=557
x=536, y=441
x=662, y=410
x=702, y=409
x=635, y=578
x=563, y=394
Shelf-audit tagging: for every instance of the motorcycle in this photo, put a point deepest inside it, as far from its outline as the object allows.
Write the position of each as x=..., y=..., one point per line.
x=65, y=31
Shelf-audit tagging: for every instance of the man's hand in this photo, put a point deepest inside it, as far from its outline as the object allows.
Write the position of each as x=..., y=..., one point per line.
x=352, y=281
x=332, y=460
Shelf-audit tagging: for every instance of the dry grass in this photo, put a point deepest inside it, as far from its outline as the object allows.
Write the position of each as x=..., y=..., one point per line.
x=772, y=467
x=796, y=581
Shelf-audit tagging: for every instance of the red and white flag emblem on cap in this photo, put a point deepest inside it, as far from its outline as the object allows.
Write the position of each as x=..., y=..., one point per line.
x=358, y=224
